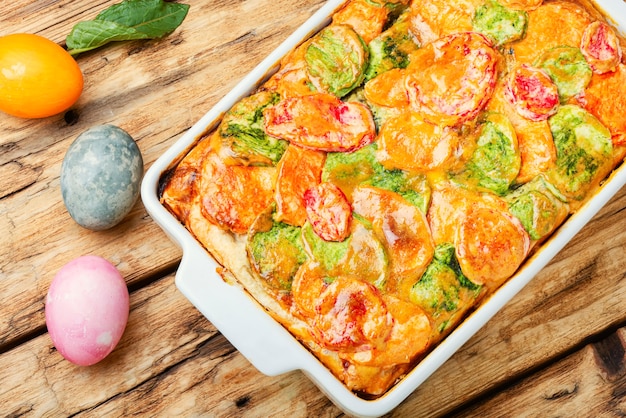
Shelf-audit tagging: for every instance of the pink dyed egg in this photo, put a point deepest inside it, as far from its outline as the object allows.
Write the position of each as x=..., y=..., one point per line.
x=87, y=309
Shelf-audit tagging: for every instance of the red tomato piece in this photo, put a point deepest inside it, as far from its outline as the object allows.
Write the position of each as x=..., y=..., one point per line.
x=490, y=245
x=387, y=89
x=605, y=98
x=233, y=195
x=451, y=79
x=298, y=170
x=351, y=315
x=532, y=93
x=408, y=142
x=600, y=47
x=328, y=211
x=410, y=335
x=321, y=122
x=307, y=285
x=367, y=18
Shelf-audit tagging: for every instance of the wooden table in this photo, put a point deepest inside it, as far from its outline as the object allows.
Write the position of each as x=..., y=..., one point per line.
x=556, y=350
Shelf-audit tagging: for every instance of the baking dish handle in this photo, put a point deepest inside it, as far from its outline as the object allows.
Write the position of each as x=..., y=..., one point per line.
x=262, y=340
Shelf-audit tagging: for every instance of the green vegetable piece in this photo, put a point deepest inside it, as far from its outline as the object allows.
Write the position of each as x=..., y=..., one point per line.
x=348, y=170
x=391, y=49
x=338, y=57
x=354, y=167
x=328, y=253
x=275, y=251
x=395, y=8
x=380, y=113
x=496, y=161
x=361, y=255
x=584, y=151
x=443, y=291
x=538, y=206
x=128, y=20
x=413, y=187
x=499, y=23
x=568, y=68
x=243, y=133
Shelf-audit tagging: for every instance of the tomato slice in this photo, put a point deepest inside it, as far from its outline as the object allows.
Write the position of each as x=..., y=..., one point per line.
x=321, y=122
x=601, y=47
x=232, y=195
x=307, y=286
x=490, y=245
x=181, y=185
x=522, y=4
x=366, y=17
x=408, y=142
x=328, y=211
x=451, y=79
x=351, y=315
x=298, y=170
x=410, y=335
x=532, y=93
x=387, y=89
x=606, y=99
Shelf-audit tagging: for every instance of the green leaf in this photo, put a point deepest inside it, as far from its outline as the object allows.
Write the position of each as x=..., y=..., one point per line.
x=155, y=18
x=128, y=20
x=92, y=34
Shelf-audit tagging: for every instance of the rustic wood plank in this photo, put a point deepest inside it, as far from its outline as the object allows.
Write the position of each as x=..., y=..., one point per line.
x=165, y=365
x=50, y=18
x=590, y=382
x=180, y=365
x=177, y=363
x=155, y=90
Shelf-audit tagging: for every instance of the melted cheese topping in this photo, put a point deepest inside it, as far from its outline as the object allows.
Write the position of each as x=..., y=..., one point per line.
x=405, y=201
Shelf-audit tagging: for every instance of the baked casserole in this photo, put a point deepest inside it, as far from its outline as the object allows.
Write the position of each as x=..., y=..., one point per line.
x=400, y=165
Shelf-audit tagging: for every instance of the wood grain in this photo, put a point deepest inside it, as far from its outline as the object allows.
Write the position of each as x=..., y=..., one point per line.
x=557, y=346
x=165, y=365
x=589, y=382
x=195, y=67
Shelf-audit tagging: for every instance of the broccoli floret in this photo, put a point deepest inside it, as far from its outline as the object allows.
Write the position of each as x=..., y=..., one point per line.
x=338, y=57
x=496, y=161
x=499, y=23
x=243, y=137
x=356, y=166
x=276, y=251
x=391, y=49
x=583, y=151
x=443, y=290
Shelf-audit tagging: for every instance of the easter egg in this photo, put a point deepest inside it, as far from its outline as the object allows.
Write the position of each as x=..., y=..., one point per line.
x=87, y=309
x=38, y=78
x=100, y=177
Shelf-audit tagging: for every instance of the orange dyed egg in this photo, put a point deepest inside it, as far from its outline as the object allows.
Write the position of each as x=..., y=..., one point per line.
x=38, y=78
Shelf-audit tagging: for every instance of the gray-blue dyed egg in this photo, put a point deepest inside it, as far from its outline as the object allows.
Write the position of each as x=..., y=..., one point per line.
x=100, y=177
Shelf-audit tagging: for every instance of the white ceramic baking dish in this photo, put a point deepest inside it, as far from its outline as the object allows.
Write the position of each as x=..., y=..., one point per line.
x=259, y=337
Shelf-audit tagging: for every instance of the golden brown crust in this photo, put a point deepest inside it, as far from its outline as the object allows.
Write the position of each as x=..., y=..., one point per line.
x=420, y=223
